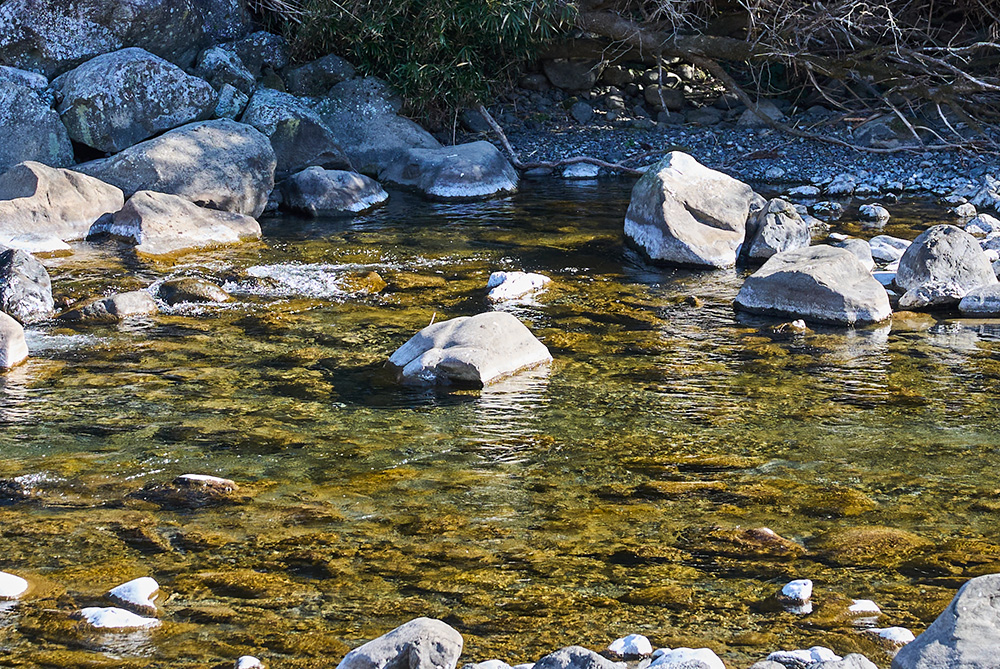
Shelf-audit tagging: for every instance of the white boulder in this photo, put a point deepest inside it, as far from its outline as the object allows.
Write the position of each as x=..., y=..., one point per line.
x=114, y=618
x=633, y=644
x=504, y=286
x=11, y=586
x=137, y=595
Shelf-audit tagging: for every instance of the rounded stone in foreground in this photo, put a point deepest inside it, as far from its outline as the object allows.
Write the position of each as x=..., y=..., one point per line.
x=249, y=662
x=983, y=301
x=13, y=348
x=422, y=643
x=11, y=586
x=576, y=657
x=940, y=267
x=114, y=618
x=633, y=644
x=819, y=283
x=688, y=658
x=138, y=595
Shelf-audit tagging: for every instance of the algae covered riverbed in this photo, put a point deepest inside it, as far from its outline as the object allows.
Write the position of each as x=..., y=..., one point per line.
x=611, y=495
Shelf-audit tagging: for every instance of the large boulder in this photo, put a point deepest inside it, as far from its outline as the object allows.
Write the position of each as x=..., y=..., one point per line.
x=422, y=643
x=364, y=116
x=469, y=351
x=218, y=164
x=13, y=349
x=818, y=283
x=53, y=36
x=776, y=228
x=964, y=636
x=472, y=171
x=299, y=137
x=315, y=191
x=684, y=213
x=36, y=200
x=119, y=99
x=25, y=287
x=168, y=225
x=940, y=267
x=32, y=129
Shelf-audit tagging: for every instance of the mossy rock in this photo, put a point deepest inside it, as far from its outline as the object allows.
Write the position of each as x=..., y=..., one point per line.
x=677, y=489
x=741, y=542
x=363, y=283
x=248, y=584
x=836, y=503
x=872, y=546
x=960, y=559
x=672, y=597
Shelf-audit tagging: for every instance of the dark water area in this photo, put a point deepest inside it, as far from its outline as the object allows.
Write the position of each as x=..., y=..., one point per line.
x=608, y=495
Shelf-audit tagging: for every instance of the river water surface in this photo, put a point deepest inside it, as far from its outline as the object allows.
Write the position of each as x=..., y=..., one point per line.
x=610, y=495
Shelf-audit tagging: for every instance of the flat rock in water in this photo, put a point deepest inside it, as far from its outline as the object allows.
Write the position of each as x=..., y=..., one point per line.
x=13, y=348
x=964, y=636
x=688, y=658
x=819, y=283
x=25, y=287
x=631, y=646
x=576, y=657
x=504, y=286
x=11, y=586
x=423, y=643
x=218, y=164
x=113, y=308
x=119, y=99
x=683, y=213
x=316, y=191
x=191, y=289
x=161, y=225
x=46, y=201
x=32, y=129
x=775, y=228
x=113, y=618
x=138, y=595
x=298, y=136
x=471, y=171
x=940, y=267
x=191, y=491
x=468, y=351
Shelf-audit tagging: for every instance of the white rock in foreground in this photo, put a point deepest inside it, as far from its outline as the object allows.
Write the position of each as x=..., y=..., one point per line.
x=688, y=658
x=798, y=591
x=11, y=586
x=512, y=285
x=896, y=636
x=422, y=643
x=138, y=595
x=13, y=348
x=804, y=657
x=249, y=662
x=476, y=350
x=114, y=618
x=633, y=644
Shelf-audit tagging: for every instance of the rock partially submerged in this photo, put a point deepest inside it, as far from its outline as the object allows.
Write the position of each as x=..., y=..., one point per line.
x=112, y=309
x=191, y=491
x=683, y=213
x=776, y=228
x=940, y=267
x=819, y=283
x=13, y=348
x=191, y=289
x=160, y=225
x=423, y=643
x=888, y=249
x=504, y=286
x=114, y=618
x=464, y=172
x=316, y=191
x=984, y=301
x=11, y=586
x=576, y=657
x=633, y=645
x=468, y=351
x=138, y=595
x=25, y=287
x=687, y=658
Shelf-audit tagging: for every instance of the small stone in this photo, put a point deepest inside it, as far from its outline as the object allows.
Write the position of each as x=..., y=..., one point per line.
x=842, y=184
x=581, y=171
x=983, y=225
x=888, y=249
x=423, y=643
x=964, y=210
x=798, y=591
x=112, y=309
x=828, y=210
x=896, y=636
x=191, y=289
x=249, y=662
x=504, y=286
x=114, y=618
x=190, y=491
x=582, y=112
x=804, y=191
x=11, y=586
x=874, y=213
x=863, y=607
x=803, y=658
x=138, y=595
x=631, y=645
x=774, y=173
x=488, y=664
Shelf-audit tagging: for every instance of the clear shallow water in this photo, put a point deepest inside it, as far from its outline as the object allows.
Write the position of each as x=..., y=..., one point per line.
x=605, y=497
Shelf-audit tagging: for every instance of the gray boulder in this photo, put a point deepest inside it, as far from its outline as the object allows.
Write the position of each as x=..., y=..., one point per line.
x=818, y=283
x=299, y=137
x=364, y=117
x=777, y=227
x=112, y=309
x=423, y=643
x=36, y=82
x=964, y=636
x=472, y=171
x=663, y=98
x=231, y=103
x=220, y=67
x=470, y=351
x=576, y=657
x=160, y=225
x=13, y=349
x=572, y=74
x=37, y=200
x=888, y=249
x=119, y=99
x=874, y=213
x=25, y=287
x=683, y=213
x=315, y=191
x=260, y=50
x=32, y=129
x=217, y=164
x=316, y=78
x=940, y=267
x=984, y=301
x=861, y=249
x=852, y=661
x=53, y=36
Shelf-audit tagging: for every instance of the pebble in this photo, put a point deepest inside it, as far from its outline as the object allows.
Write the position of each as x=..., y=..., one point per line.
x=633, y=644
x=114, y=618
x=687, y=658
x=138, y=595
x=505, y=286
x=11, y=586
x=249, y=662
x=874, y=213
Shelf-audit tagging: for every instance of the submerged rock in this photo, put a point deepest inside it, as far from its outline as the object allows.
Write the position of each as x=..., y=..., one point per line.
x=576, y=657
x=25, y=287
x=316, y=191
x=217, y=164
x=819, y=283
x=471, y=171
x=984, y=301
x=112, y=309
x=159, y=224
x=138, y=595
x=39, y=200
x=683, y=213
x=191, y=289
x=11, y=586
x=115, y=619
x=940, y=267
x=423, y=643
x=13, y=349
x=468, y=350
x=191, y=491
x=512, y=285
x=868, y=546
